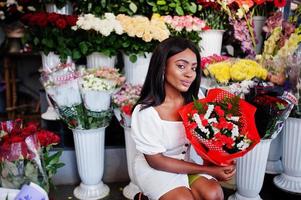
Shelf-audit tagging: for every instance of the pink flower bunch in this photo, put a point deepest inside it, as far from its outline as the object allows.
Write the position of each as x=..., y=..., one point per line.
x=188, y=23
x=127, y=97
x=205, y=61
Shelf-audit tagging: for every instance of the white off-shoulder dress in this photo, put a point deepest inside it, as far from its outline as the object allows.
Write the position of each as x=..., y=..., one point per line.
x=153, y=135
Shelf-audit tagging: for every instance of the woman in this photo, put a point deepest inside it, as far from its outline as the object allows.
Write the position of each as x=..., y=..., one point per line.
x=162, y=167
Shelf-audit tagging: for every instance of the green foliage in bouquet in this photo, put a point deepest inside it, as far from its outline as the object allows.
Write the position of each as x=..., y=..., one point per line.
x=78, y=116
x=173, y=7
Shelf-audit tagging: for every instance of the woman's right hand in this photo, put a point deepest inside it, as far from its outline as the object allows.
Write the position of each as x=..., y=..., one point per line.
x=222, y=173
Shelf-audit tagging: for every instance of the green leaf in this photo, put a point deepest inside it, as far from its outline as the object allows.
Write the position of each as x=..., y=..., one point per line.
x=161, y=2
x=179, y=11
x=133, y=58
x=193, y=7
x=76, y=54
x=83, y=48
x=133, y=7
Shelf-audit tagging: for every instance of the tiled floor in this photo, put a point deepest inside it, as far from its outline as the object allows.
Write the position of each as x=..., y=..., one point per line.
x=269, y=192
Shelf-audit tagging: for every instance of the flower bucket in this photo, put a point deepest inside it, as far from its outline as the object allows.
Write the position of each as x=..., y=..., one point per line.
x=65, y=10
x=250, y=172
x=211, y=42
x=290, y=179
x=274, y=164
x=52, y=60
x=89, y=149
x=131, y=189
x=97, y=60
x=135, y=73
x=258, y=24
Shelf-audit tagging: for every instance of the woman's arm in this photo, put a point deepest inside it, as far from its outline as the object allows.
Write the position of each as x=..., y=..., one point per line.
x=164, y=163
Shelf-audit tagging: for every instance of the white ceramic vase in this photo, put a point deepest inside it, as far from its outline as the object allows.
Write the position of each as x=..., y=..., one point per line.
x=97, y=60
x=290, y=179
x=274, y=164
x=211, y=42
x=135, y=73
x=250, y=172
x=131, y=189
x=8, y=194
x=89, y=149
x=65, y=10
x=258, y=24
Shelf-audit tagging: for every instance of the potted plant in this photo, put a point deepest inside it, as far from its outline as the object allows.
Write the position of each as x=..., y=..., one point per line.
x=123, y=102
x=73, y=93
x=98, y=39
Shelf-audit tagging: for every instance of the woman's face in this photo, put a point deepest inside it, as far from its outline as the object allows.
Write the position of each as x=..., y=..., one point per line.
x=180, y=70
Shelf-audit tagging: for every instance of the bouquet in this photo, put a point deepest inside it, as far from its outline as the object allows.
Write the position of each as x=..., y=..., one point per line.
x=24, y=155
x=142, y=34
x=273, y=108
x=98, y=34
x=185, y=26
x=236, y=70
x=52, y=32
x=220, y=127
x=123, y=102
x=82, y=98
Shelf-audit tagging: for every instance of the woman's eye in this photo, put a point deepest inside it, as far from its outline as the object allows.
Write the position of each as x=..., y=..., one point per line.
x=193, y=69
x=181, y=66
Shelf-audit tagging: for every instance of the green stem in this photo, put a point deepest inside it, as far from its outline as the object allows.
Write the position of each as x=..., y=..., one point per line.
x=251, y=30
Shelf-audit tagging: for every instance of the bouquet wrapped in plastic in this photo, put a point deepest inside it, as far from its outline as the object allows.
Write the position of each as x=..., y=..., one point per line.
x=273, y=108
x=82, y=98
x=24, y=155
x=123, y=102
x=220, y=127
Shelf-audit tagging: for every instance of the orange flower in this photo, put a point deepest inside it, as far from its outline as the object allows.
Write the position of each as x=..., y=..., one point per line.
x=249, y=3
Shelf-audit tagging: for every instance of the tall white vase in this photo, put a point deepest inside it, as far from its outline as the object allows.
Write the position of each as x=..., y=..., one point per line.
x=211, y=42
x=258, y=24
x=250, y=172
x=135, y=73
x=89, y=149
x=131, y=189
x=65, y=10
x=97, y=60
x=290, y=179
x=274, y=164
x=52, y=60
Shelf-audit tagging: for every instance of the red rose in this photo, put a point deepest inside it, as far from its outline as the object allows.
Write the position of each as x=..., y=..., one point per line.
x=53, y=17
x=205, y=122
x=71, y=20
x=219, y=111
x=61, y=23
x=127, y=109
x=229, y=142
x=280, y=3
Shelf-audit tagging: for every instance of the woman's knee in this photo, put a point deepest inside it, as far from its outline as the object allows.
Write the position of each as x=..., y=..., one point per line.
x=214, y=192
x=178, y=194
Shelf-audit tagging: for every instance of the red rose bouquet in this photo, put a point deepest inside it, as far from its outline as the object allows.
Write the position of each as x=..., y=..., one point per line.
x=24, y=155
x=52, y=32
x=220, y=127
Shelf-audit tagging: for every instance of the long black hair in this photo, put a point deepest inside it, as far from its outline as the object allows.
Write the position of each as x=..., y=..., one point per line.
x=153, y=92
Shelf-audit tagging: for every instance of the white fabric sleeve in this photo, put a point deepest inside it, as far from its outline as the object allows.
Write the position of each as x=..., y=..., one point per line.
x=147, y=131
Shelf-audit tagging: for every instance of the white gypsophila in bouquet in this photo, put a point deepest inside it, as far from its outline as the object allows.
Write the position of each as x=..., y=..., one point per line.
x=98, y=85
